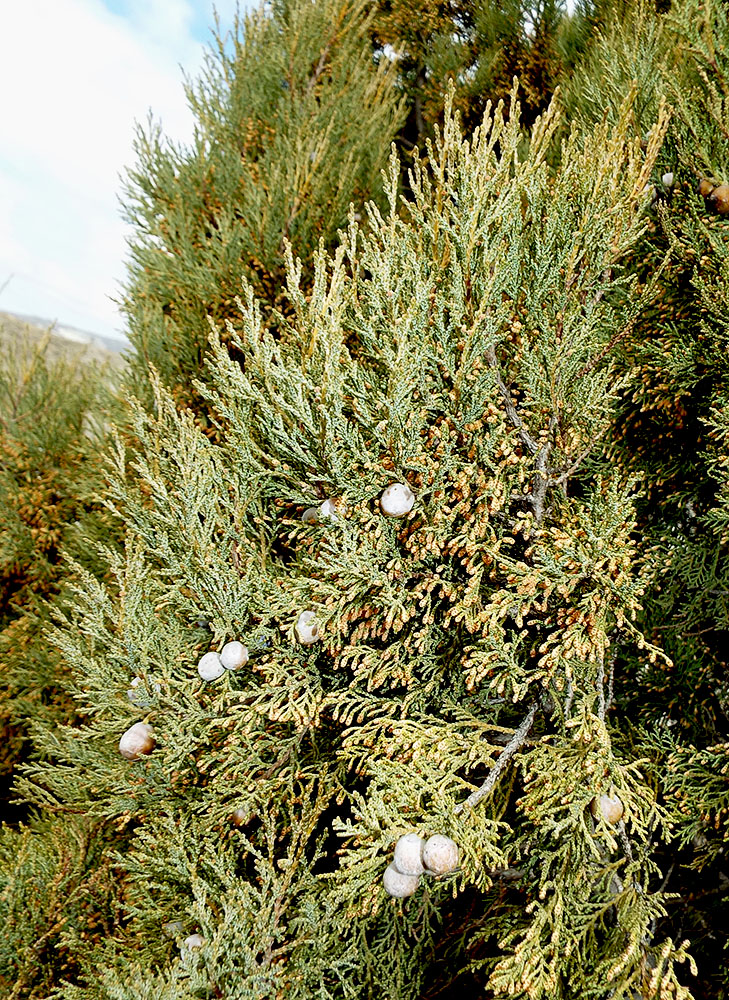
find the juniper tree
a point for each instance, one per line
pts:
(55, 886)
(506, 346)
(670, 428)
(462, 343)
(293, 121)
(49, 422)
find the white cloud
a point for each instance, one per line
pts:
(74, 78)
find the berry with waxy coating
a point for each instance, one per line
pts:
(440, 854)
(210, 667)
(137, 741)
(398, 885)
(307, 628)
(397, 500)
(328, 511)
(409, 855)
(234, 655)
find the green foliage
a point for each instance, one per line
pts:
(293, 122)
(477, 47)
(627, 52)
(671, 430)
(499, 593)
(533, 338)
(49, 439)
(56, 895)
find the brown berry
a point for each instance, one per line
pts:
(718, 200)
(610, 807)
(705, 187)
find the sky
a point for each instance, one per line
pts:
(75, 75)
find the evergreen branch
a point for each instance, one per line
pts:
(319, 69)
(626, 845)
(613, 342)
(628, 327)
(566, 473)
(512, 747)
(541, 477)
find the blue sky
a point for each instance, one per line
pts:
(75, 75)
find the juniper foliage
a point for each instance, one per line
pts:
(293, 122)
(49, 439)
(532, 338)
(463, 343)
(670, 430)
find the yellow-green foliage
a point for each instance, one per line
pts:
(536, 345)
(464, 344)
(57, 893)
(49, 444)
(293, 122)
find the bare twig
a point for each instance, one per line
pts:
(541, 479)
(515, 743)
(541, 476)
(601, 689)
(314, 78)
(507, 874)
(624, 841)
(611, 678)
(605, 278)
(569, 699)
(511, 412)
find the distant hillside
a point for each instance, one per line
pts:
(65, 342)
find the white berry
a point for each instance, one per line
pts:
(138, 694)
(667, 180)
(137, 741)
(310, 515)
(234, 655)
(210, 667)
(397, 500)
(328, 511)
(193, 942)
(307, 628)
(409, 855)
(398, 885)
(610, 807)
(440, 854)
